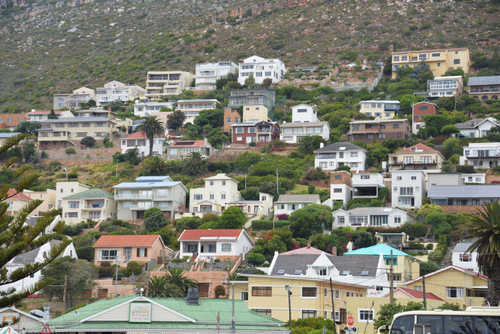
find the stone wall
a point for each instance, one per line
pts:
(88, 155)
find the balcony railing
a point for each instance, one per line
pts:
(415, 162)
(133, 196)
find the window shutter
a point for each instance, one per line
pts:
(145, 252)
(138, 253)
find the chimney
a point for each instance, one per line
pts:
(334, 251)
(205, 141)
(192, 297)
(321, 145)
(308, 243)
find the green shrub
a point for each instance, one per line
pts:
(134, 267)
(61, 176)
(465, 169)
(72, 175)
(70, 150)
(268, 224)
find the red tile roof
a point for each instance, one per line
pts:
(126, 240)
(196, 235)
(188, 143)
(420, 294)
(21, 196)
(138, 135)
(420, 147)
(303, 250)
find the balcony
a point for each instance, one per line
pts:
(415, 162)
(133, 196)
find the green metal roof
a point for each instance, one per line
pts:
(95, 193)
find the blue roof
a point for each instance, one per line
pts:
(145, 185)
(377, 249)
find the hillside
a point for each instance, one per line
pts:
(54, 46)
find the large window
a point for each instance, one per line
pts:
(262, 291)
(406, 191)
(365, 315)
(109, 254)
(309, 292)
(74, 204)
(308, 314)
(453, 292)
(198, 197)
(226, 247)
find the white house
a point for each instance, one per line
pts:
(304, 113)
(95, 204)
(219, 190)
(485, 155)
(473, 178)
(218, 244)
(380, 109)
(142, 109)
(256, 209)
(340, 154)
(208, 73)
(34, 256)
(305, 122)
(192, 108)
(408, 188)
(139, 141)
(115, 90)
(370, 216)
(463, 259)
(340, 192)
(261, 69)
(43, 115)
(477, 127)
(17, 319)
(289, 203)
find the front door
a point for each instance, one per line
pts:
(128, 254)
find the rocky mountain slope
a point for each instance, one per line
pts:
(54, 46)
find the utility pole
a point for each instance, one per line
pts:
(277, 185)
(64, 295)
(333, 306)
(147, 290)
(423, 290)
(391, 282)
(233, 321)
(116, 278)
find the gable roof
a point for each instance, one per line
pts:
(188, 143)
(13, 194)
(339, 147)
(377, 249)
(220, 176)
(462, 246)
(13, 309)
(418, 148)
(222, 234)
(489, 80)
(465, 271)
(464, 191)
(95, 193)
(30, 257)
(303, 250)
(417, 294)
(475, 122)
(127, 240)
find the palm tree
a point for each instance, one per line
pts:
(175, 276)
(159, 286)
(484, 228)
(195, 164)
(151, 127)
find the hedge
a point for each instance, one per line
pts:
(268, 224)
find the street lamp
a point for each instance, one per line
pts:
(288, 289)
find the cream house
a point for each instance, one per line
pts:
(161, 84)
(16, 201)
(219, 190)
(255, 113)
(64, 189)
(95, 204)
(48, 197)
(256, 209)
(416, 157)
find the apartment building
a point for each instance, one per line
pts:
(75, 99)
(162, 84)
(416, 157)
(380, 109)
(408, 188)
(95, 204)
(477, 127)
(340, 154)
(369, 131)
(192, 108)
(207, 74)
(304, 123)
(261, 133)
(485, 155)
(43, 115)
(418, 111)
(439, 60)
(219, 190)
(142, 109)
(117, 91)
(261, 69)
(252, 97)
(134, 198)
(484, 88)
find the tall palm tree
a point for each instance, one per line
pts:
(159, 286)
(484, 228)
(175, 276)
(195, 164)
(151, 127)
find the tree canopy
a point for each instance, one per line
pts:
(151, 127)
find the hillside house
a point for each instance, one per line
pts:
(370, 216)
(286, 204)
(379, 130)
(333, 156)
(260, 69)
(417, 157)
(139, 141)
(418, 111)
(207, 74)
(43, 115)
(219, 190)
(256, 209)
(477, 127)
(305, 122)
(472, 194)
(164, 84)
(485, 155)
(142, 109)
(463, 259)
(95, 204)
(252, 97)
(192, 108)
(73, 100)
(181, 149)
(408, 188)
(484, 88)
(260, 133)
(117, 91)
(380, 109)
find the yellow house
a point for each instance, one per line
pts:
(439, 60)
(454, 285)
(255, 113)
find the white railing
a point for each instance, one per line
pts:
(133, 196)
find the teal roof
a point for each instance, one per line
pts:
(94, 193)
(204, 316)
(377, 249)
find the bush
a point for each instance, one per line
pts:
(134, 267)
(88, 141)
(72, 175)
(70, 150)
(255, 258)
(268, 224)
(220, 290)
(106, 270)
(85, 253)
(465, 169)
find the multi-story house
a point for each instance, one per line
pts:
(416, 157)
(68, 132)
(231, 116)
(484, 88)
(286, 204)
(223, 244)
(219, 190)
(335, 155)
(344, 186)
(208, 73)
(463, 259)
(252, 97)
(464, 195)
(134, 198)
(380, 109)
(162, 84)
(305, 122)
(340, 187)
(43, 115)
(255, 113)
(11, 121)
(451, 86)
(142, 109)
(261, 69)
(369, 131)
(370, 216)
(139, 141)
(261, 133)
(408, 188)
(477, 127)
(418, 111)
(181, 149)
(439, 60)
(485, 155)
(48, 197)
(192, 108)
(117, 91)
(74, 100)
(95, 204)
(256, 209)
(64, 189)
(16, 201)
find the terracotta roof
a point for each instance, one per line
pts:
(229, 234)
(21, 196)
(126, 240)
(303, 250)
(138, 135)
(420, 294)
(420, 147)
(188, 143)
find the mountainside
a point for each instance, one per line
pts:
(53, 46)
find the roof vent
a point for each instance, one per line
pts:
(192, 297)
(364, 272)
(298, 272)
(346, 272)
(281, 271)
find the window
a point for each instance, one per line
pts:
(262, 311)
(456, 61)
(228, 120)
(142, 252)
(198, 197)
(223, 183)
(453, 292)
(226, 247)
(397, 220)
(337, 190)
(109, 254)
(465, 257)
(406, 191)
(355, 126)
(244, 295)
(365, 315)
(399, 178)
(308, 314)
(239, 130)
(413, 177)
(341, 220)
(262, 291)
(212, 196)
(72, 214)
(309, 292)
(223, 196)
(74, 204)
(396, 58)
(354, 154)
(395, 126)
